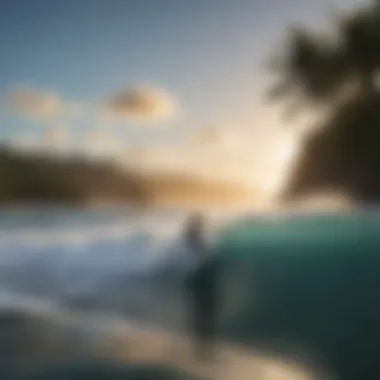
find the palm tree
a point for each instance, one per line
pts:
(317, 67)
(318, 71)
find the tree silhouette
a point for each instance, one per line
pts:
(317, 68)
(339, 72)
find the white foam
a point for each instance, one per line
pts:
(77, 255)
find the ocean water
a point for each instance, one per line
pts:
(308, 286)
(129, 261)
(111, 260)
(298, 284)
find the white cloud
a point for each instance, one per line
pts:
(26, 144)
(42, 105)
(99, 142)
(142, 104)
(30, 102)
(56, 136)
(216, 138)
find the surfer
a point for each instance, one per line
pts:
(201, 286)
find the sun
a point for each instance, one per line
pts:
(282, 155)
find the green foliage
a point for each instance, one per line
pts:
(317, 68)
(344, 156)
(344, 152)
(39, 178)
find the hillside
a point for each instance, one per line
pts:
(38, 178)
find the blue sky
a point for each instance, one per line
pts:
(207, 54)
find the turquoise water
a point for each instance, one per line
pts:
(302, 234)
(306, 284)
(302, 286)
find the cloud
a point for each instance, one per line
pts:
(215, 138)
(142, 104)
(56, 136)
(99, 142)
(96, 137)
(30, 102)
(26, 144)
(42, 105)
(99, 139)
(139, 104)
(208, 137)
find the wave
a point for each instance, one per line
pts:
(124, 261)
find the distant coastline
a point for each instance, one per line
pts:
(39, 180)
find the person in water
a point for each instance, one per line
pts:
(202, 289)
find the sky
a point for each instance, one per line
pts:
(170, 84)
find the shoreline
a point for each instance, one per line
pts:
(90, 337)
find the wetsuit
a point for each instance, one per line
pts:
(202, 291)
